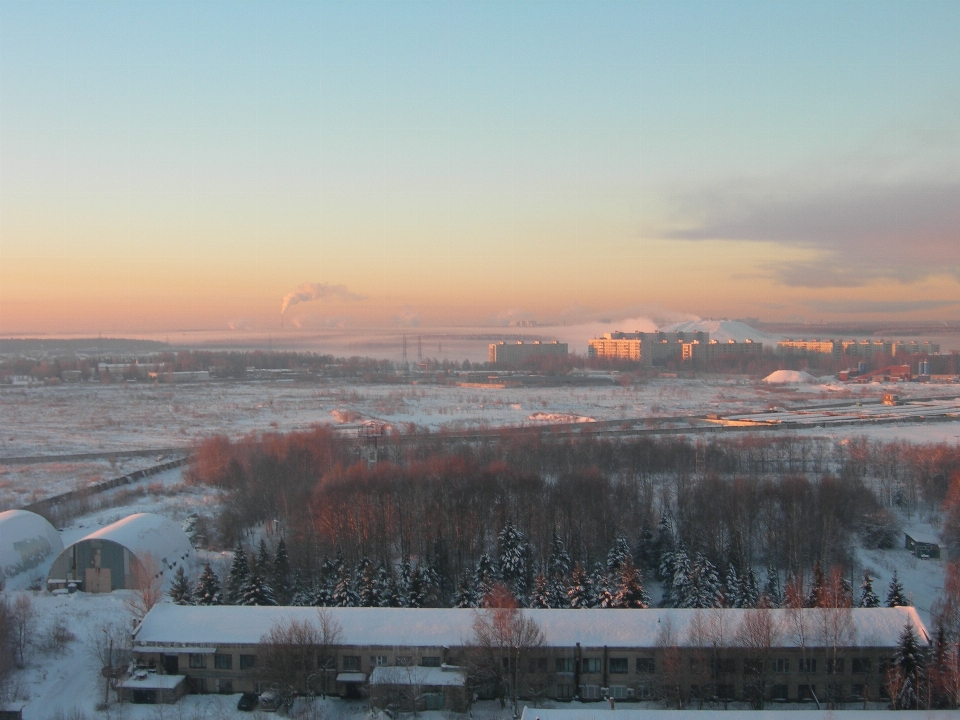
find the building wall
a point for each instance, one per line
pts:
(503, 353)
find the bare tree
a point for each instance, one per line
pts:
(287, 657)
(330, 635)
(502, 640)
(669, 669)
(147, 590)
(759, 632)
(7, 643)
(24, 618)
(111, 643)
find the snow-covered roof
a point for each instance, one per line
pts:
(148, 533)
(169, 624)
(428, 676)
(152, 681)
(922, 537)
(602, 712)
(26, 540)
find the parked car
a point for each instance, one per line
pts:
(270, 701)
(247, 702)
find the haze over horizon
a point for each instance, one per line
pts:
(169, 166)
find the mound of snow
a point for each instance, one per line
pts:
(721, 330)
(790, 377)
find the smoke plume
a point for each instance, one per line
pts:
(317, 291)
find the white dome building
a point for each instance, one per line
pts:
(26, 540)
(114, 556)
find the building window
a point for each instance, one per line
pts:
(835, 667)
(781, 665)
(404, 661)
(430, 661)
(644, 691)
(618, 692)
(223, 662)
(198, 661)
(225, 687)
(808, 665)
(378, 660)
(752, 666)
(564, 691)
(351, 663)
(806, 692)
(565, 665)
(646, 666)
(592, 665)
(779, 692)
(858, 690)
(725, 692)
(619, 666)
(326, 663)
(860, 665)
(724, 665)
(248, 661)
(590, 692)
(538, 665)
(835, 693)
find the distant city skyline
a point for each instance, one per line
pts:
(170, 166)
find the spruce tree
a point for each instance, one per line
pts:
(237, 580)
(751, 592)
(663, 549)
(466, 597)
(618, 554)
(540, 597)
(263, 562)
(280, 577)
(678, 592)
(367, 584)
(180, 592)
(418, 588)
(208, 588)
(644, 552)
(257, 590)
(558, 573)
(896, 596)
(630, 592)
(910, 662)
(733, 594)
(704, 589)
(484, 576)
(383, 587)
(602, 587)
(343, 594)
(579, 591)
(300, 594)
(772, 588)
(818, 592)
(513, 560)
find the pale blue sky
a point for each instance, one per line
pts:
(465, 159)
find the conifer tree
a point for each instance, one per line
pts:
(466, 597)
(257, 590)
(280, 577)
(909, 661)
(896, 596)
(618, 555)
(343, 594)
(663, 548)
(540, 597)
(579, 592)
(559, 571)
(513, 560)
(679, 591)
(180, 592)
(208, 588)
(417, 590)
(386, 590)
(483, 576)
(630, 592)
(644, 552)
(404, 581)
(818, 591)
(237, 580)
(557, 593)
(703, 590)
(772, 587)
(263, 563)
(300, 594)
(367, 584)
(602, 587)
(733, 594)
(751, 592)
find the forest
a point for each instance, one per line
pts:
(567, 522)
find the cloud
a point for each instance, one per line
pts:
(317, 291)
(406, 317)
(905, 231)
(879, 306)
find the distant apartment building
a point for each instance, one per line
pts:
(856, 348)
(698, 352)
(515, 353)
(646, 348)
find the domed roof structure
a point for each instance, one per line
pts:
(26, 540)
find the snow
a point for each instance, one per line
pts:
(721, 330)
(429, 676)
(176, 625)
(790, 377)
(601, 711)
(153, 681)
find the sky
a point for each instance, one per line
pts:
(204, 165)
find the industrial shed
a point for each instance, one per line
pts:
(114, 556)
(26, 540)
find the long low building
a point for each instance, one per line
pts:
(642, 654)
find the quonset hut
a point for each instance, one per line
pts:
(115, 556)
(26, 540)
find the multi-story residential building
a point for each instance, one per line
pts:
(644, 654)
(646, 348)
(832, 348)
(698, 353)
(515, 353)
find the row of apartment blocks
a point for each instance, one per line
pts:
(835, 654)
(516, 353)
(657, 348)
(857, 348)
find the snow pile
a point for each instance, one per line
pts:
(721, 330)
(544, 417)
(790, 377)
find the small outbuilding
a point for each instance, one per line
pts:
(113, 558)
(921, 545)
(415, 688)
(26, 541)
(147, 688)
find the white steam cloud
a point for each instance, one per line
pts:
(317, 291)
